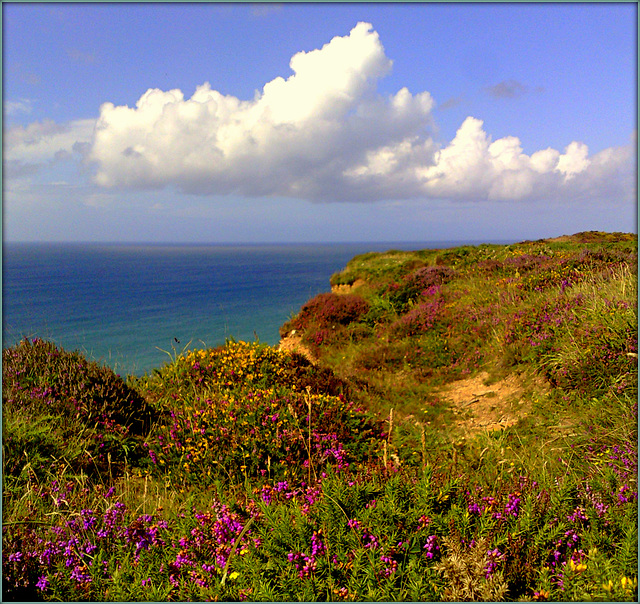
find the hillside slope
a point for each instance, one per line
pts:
(461, 426)
(467, 339)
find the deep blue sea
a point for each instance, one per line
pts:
(120, 303)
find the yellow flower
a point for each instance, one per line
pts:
(541, 595)
(628, 583)
(234, 575)
(577, 567)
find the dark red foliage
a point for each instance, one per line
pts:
(419, 283)
(419, 319)
(329, 310)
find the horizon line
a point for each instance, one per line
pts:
(464, 240)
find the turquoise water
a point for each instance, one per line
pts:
(119, 304)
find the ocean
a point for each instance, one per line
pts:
(130, 305)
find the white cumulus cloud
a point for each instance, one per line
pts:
(574, 161)
(294, 138)
(309, 135)
(324, 133)
(17, 107)
(472, 167)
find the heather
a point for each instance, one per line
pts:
(457, 424)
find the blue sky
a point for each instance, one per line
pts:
(318, 122)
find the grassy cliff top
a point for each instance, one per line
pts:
(456, 424)
(414, 330)
(375, 266)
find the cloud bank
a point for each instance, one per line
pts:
(30, 150)
(325, 134)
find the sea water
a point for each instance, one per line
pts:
(133, 306)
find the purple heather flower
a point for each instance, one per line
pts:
(282, 486)
(493, 557)
(317, 545)
(388, 570)
(513, 506)
(431, 546)
(88, 518)
(474, 508)
(90, 548)
(578, 514)
(79, 576)
(371, 541)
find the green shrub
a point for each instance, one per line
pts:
(423, 282)
(240, 365)
(41, 376)
(260, 434)
(60, 410)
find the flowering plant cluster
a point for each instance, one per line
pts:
(43, 377)
(234, 364)
(423, 282)
(259, 433)
(328, 310)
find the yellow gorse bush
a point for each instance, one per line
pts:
(242, 410)
(260, 432)
(237, 362)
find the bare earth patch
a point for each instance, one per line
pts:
(347, 289)
(293, 343)
(479, 407)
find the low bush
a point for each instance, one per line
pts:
(419, 319)
(422, 282)
(261, 434)
(241, 365)
(328, 310)
(39, 375)
(61, 410)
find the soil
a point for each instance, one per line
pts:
(293, 343)
(479, 407)
(347, 289)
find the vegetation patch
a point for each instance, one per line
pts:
(467, 430)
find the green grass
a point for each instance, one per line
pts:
(247, 473)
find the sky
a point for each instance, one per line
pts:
(241, 123)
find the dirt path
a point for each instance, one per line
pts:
(479, 407)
